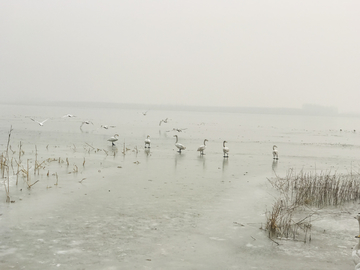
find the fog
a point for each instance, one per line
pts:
(199, 53)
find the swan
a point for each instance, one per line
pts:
(225, 150)
(144, 113)
(202, 147)
(275, 152)
(179, 145)
(164, 120)
(113, 139)
(356, 250)
(40, 123)
(147, 141)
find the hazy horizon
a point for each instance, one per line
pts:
(278, 54)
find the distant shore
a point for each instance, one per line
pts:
(306, 109)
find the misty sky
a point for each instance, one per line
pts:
(224, 53)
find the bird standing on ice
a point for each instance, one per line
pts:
(275, 152)
(202, 147)
(225, 150)
(147, 142)
(40, 123)
(113, 139)
(179, 145)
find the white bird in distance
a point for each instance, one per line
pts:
(68, 115)
(225, 150)
(179, 145)
(275, 152)
(40, 123)
(113, 139)
(147, 142)
(202, 147)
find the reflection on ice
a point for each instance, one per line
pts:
(225, 164)
(274, 165)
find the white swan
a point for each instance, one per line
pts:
(356, 250)
(275, 152)
(202, 147)
(113, 139)
(40, 123)
(179, 145)
(225, 150)
(147, 142)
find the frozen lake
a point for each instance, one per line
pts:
(158, 209)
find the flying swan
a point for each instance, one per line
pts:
(40, 123)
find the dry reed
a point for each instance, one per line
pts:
(307, 189)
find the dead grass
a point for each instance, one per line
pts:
(301, 195)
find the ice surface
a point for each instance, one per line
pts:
(158, 209)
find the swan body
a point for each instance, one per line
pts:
(40, 123)
(113, 139)
(225, 150)
(275, 152)
(202, 147)
(179, 145)
(147, 142)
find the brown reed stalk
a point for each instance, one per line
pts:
(7, 181)
(311, 190)
(18, 164)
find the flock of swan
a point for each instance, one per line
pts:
(178, 145)
(200, 149)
